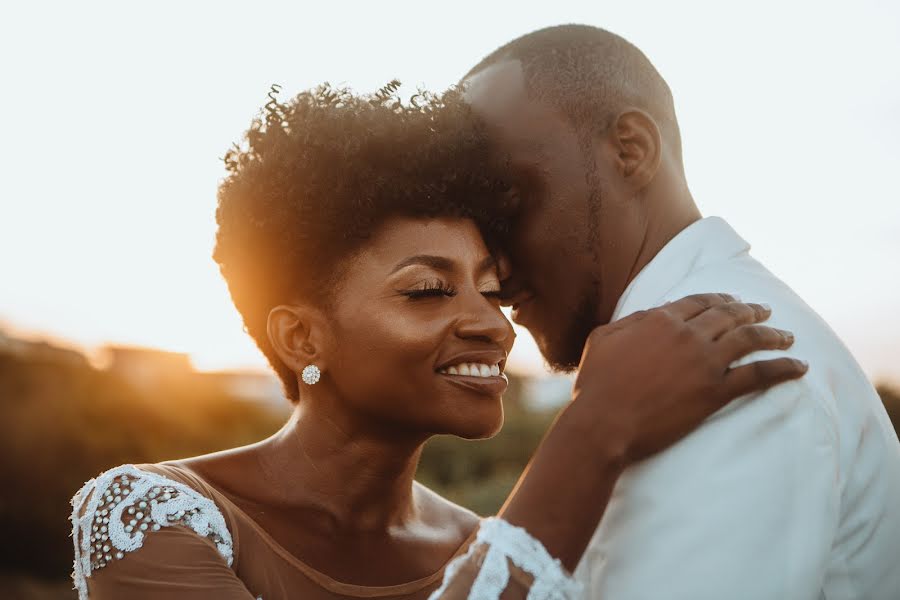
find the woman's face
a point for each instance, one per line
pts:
(421, 342)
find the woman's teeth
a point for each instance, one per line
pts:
(473, 370)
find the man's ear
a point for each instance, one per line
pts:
(299, 334)
(638, 147)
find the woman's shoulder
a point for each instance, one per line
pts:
(113, 513)
(446, 515)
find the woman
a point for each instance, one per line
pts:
(355, 235)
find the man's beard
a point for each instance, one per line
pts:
(563, 352)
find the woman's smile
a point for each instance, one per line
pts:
(478, 371)
(492, 385)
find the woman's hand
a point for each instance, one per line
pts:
(644, 383)
(648, 380)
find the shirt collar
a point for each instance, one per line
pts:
(702, 243)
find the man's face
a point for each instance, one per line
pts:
(555, 285)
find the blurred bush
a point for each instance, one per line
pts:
(63, 421)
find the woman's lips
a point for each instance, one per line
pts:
(489, 386)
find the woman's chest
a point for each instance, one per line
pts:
(283, 561)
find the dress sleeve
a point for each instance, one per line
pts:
(505, 562)
(140, 535)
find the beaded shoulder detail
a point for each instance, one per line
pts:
(112, 513)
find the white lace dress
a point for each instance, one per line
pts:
(146, 533)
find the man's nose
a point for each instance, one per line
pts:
(511, 287)
(512, 290)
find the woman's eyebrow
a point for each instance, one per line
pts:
(436, 262)
(442, 263)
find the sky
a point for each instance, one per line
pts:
(114, 117)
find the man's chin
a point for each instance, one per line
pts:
(561, 357)
(563, 344)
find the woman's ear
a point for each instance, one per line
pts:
(299, 335)
(639, 147)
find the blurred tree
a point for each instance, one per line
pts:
(62, 422)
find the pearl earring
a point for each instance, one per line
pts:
(311, 374)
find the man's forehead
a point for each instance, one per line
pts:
(526, 126)
(498, 85)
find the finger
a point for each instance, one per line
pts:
(691, 306)
(747, 339)
(723, 318)
(761, 375)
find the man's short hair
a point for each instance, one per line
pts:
(590, 75)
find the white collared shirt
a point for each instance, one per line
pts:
(791, 494)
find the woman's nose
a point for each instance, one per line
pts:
(482, 319)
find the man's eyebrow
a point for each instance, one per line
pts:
(488, 263)
(435, 262)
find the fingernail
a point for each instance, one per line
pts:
(789, 336)
(737, 297)
(803, 363)
(766, 307)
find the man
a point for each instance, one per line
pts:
(795, 495)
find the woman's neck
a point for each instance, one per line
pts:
(360, 477)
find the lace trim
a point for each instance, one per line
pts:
(505, 541)
(126, 503)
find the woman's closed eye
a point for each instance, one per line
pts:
(429, 289)
(492, 293)
(437, 288)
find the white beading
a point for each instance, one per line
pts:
(506, 542)
(112, 513)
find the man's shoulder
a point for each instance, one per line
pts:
(752, 282)
(742, 275)
(836, 382)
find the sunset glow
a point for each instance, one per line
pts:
(115, 120)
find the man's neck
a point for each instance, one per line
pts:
(665, 219)
(659, 233)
